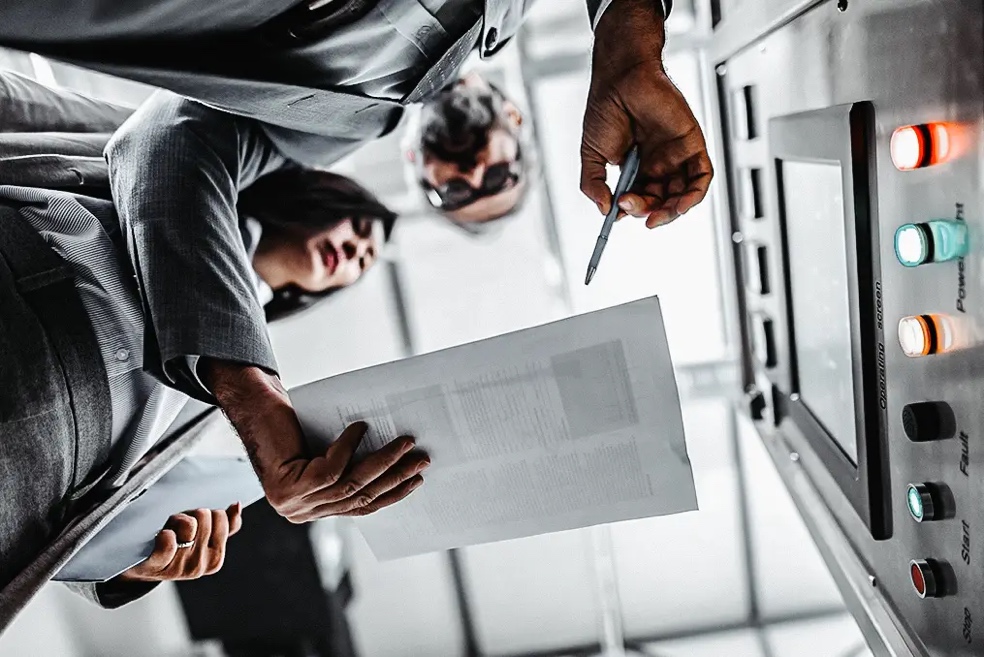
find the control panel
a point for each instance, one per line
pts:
(853, 139)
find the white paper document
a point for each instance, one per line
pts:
(560, 426)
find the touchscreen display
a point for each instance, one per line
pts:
(817, 244)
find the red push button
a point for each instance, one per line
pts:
(924, 574)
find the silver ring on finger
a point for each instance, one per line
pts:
(186, 544)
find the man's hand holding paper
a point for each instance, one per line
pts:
(560, 426)
(303, 488)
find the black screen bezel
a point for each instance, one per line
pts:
(843, 135)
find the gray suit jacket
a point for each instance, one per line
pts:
(54, 138)
(177, 167)
(309, 125)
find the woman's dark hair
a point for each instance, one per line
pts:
(309, 199)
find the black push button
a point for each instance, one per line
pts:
(926, 421)
(923, 503)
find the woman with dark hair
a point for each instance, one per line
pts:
(315, 232)
(113, 316)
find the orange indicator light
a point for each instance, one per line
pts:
(918, 146)
(925, 335)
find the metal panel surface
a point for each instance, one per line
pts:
(915, 61)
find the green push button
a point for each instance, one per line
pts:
(921, 503)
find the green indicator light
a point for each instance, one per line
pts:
(938, 240)
(912, 245)
(915, 503)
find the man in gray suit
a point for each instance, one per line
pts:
(312, 81)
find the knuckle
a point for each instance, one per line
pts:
(350, 488)
(364, 500)
(182, 521)
(279, 501)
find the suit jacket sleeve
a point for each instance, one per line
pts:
(108, 596)
(29, 106)
(54, 138)
(597, 7)
(176, 168)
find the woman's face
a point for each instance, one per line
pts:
(330, 258)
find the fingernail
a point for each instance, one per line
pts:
(625, 204)
(417, 483)
(421, 467)
(408, 444)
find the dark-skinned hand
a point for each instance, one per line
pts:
(300, 486)
(631, 100)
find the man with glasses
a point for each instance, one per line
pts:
(468, 153)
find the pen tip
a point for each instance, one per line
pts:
(589, 275)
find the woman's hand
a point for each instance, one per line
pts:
(191, 545)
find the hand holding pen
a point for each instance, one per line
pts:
(625, 179)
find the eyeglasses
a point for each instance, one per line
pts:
(457, 193)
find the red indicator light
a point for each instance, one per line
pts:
(918, 146)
